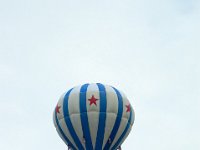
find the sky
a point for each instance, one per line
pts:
(148, 49)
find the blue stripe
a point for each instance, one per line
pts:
(69, 123)
(62, 133)
(124, 133)
(84, 117)
(117, 121)
(102, 117)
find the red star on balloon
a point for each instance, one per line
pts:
(58, 109)
(93, 100)
(128, 108)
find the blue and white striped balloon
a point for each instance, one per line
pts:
(93, 117)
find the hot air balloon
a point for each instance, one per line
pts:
(93, 117)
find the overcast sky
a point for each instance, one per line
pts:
(148, 49)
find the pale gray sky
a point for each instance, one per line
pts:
(148, 49)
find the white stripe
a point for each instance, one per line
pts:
(111, 114)
(126, 135)
(66, 131)
(60, 104)
(124, 119)
(125, 103)
(54, 119)
(133, 116)
(56, 126)
(60, 135)
(74, 112)
(61, 121)
(93, 111)
(129, 130)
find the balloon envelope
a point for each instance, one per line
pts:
(93, 116)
